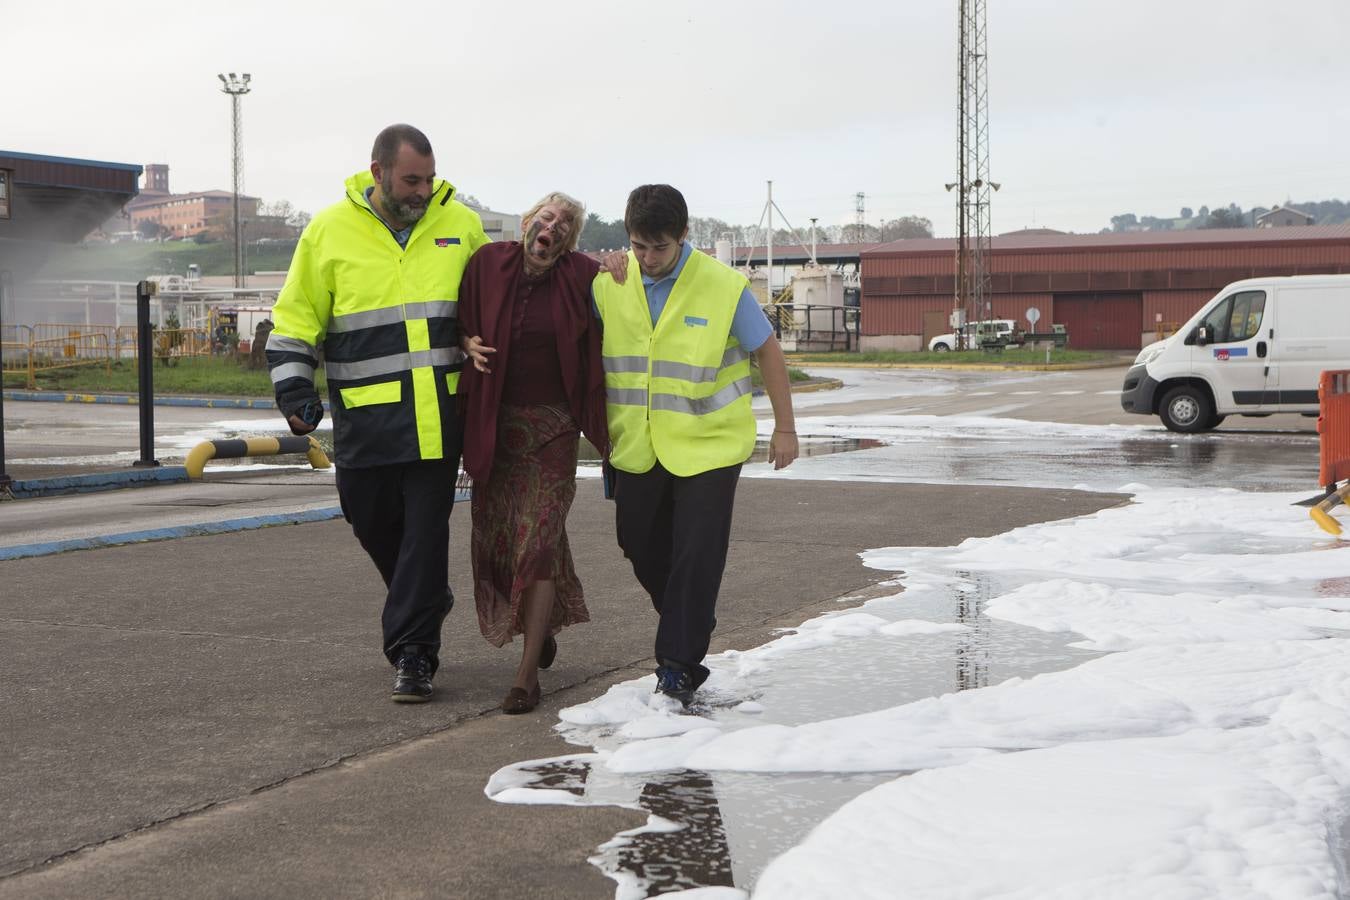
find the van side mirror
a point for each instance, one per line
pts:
(1199, 336)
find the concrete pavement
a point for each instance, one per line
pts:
(208, 716)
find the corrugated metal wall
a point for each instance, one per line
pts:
(1151, 281)
(1172, 307)
(60, 174)
(1100, 321)
(904, 315)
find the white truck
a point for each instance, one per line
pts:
(1258, 347)
(977, 334)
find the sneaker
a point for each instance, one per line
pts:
(412, 678)
(675, 683)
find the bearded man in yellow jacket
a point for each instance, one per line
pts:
(375, 283)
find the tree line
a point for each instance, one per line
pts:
(600, 234)
(1323, 212)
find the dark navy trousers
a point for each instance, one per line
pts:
(675, 531)
(401, 515)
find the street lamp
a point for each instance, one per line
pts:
(236, 87)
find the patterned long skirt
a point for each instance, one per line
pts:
(520, 518)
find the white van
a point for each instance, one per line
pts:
(1257, 348)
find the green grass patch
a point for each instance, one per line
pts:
(794, 376)
(199, 376)
(1009, 356)
(134, 261)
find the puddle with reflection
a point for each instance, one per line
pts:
(723, 828)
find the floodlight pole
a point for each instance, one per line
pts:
(236, 87)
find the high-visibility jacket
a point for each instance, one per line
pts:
(677, 392)
(386, 317)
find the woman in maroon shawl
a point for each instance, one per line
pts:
(534, 383)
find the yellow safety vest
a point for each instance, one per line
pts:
(387, 319)
(678, 392)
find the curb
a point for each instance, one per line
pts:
(164, 534)
(824, 384)
(100, 481)
(249, 402)
(963, 367)
(132, 400)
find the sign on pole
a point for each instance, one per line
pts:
(1033, 316)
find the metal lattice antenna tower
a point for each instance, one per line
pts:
(972, 176)
(861, 208)
(236, 87)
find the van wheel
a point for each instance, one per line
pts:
(941, 348)
(1216, 421)
(1186, 409)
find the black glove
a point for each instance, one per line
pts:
(304, 403)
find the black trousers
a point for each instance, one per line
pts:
(675, 531)
(401, 516)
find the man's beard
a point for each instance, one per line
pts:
(404, 213)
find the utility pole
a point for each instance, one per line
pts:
(972, 298)
(860, 208)
(768, 279)
(769, 207)
(237, 87)
(813, 241)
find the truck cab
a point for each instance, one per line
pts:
(992, 332)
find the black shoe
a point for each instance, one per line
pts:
(675, 683)
(548, 653)
(412, 678)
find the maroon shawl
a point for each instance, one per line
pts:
(487, 299)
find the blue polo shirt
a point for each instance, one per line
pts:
(749, 325)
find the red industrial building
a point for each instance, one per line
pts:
(1110, 291)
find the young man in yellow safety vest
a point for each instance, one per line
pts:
(677, 347)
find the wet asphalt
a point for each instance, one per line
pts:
(208, 715)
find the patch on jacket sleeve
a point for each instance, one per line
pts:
(446, 242)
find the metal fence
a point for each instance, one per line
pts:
(805, 327)
(46, 346)
(47, 354)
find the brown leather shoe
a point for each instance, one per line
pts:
(518, 701)
(548, 652)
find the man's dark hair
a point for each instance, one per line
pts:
(656, 210)
(388, 142)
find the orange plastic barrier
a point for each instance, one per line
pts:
(1333, 425)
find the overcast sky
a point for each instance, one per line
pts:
(1097, 107)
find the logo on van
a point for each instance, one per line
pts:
(1226, 352)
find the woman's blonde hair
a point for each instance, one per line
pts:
(571, 205)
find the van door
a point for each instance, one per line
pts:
(1235, 356)
(1311, 334)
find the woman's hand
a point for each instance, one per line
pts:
(615, 262)
(477, 352)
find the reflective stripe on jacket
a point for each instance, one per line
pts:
(386, 317)
(679, 392)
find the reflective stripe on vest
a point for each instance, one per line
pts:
(678, 392)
